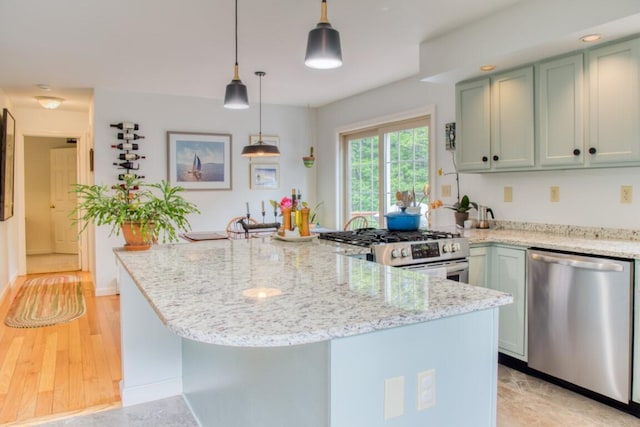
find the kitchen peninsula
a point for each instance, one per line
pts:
(271, 333)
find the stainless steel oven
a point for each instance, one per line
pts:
(430, 252)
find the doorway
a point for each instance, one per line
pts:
(51, 238)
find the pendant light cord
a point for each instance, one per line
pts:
(236, 32)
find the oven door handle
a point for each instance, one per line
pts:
(449, 267)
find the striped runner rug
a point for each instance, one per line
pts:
(46, 301)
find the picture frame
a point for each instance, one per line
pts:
(199, 161)
(266, 140)
(7, 165)
(264, 176)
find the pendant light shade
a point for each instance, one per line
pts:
(323, 46)
(235, 96)
(260, 149)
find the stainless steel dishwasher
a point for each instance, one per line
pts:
(580, 314)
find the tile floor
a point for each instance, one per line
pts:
(522, 401)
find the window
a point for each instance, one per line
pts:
(382, 161)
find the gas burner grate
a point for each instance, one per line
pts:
(369, 236)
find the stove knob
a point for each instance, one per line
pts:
(456, 247)
(404, 252)
(445, 248)
(394, 253)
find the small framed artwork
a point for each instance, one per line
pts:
(199, 161)
(266, 140)
(265, 176)
(7, 165)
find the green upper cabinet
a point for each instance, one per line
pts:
(473, 129)
(614, 104)
(587, 113)
(512, 119)
(495, 122)
(560, 113)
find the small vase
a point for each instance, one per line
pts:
(461, 217)
(304, 229)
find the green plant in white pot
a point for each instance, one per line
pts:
(145, 213)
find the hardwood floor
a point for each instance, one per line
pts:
(68, 368)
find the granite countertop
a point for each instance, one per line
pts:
(197, 291)
(588, 244)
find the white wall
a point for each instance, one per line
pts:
(588, 197)
(157, 114)
(8, 233)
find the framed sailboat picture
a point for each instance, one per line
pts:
(7, 163)
(199, 161)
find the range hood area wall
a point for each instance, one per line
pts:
(589, 197)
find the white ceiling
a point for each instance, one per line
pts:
(187, 47)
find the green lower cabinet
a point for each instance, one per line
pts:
(635, 392)
(503, 268)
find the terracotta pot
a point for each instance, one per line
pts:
(136, 240)
(461, 217)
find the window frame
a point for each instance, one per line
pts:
(379, 130)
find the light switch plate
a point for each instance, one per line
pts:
(554, 194)
(446, 190)
(393, 397)
(508, 194)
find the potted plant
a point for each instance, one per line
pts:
(461, 209)
(145, 213)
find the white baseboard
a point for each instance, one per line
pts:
(150, 392)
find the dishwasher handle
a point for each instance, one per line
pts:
(571, 262)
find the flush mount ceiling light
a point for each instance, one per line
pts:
(235, 97)
(590, 38)
(323, 46)
(260, 149)
(49, 102)
(487, 67)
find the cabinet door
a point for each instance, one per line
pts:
(478, 267)
(614, 113)
(473, 125)
(512, 119)
(508, 274)
(560, 116)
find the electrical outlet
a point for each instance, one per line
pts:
(426, 389)
(626, 194)
(508, 194)
(554, 194)
(393, 397)
(446, 190)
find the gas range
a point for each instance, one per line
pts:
(404, 248)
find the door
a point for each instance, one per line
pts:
(63, 200)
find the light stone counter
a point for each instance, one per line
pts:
(592, 244)
(196, 289)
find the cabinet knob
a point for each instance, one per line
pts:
(485, 159)
(496, 158)
(576, 152)
(592, 150)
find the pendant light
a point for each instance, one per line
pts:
(323, 46)
(235, 97)
(260, 149)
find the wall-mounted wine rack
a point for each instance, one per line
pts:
(128, 158)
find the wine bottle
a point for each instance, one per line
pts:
(128, 136)
(124, 187)
(125, 146)
(125, 126)
(130, 156)
(125, 176)
(128, 165)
